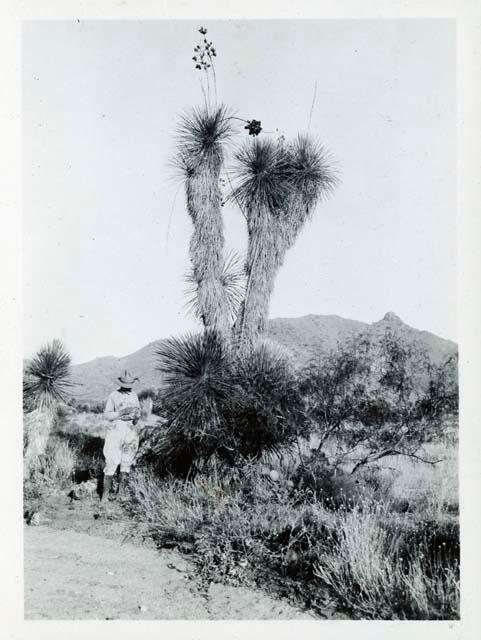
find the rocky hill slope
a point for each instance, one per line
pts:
(303, 337)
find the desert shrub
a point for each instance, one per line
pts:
(379, 396)
(97, 407)
(435, 540)
(46, 381)
(64, 410)
(92, 424)
(88, 452)
(242, 528)
(222, 405)
(155, 396)
(59, 463)
(269, 416)
(430, 491)
(327, 485)
(53, 474)
(375, 572)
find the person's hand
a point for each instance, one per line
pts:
(130, 413)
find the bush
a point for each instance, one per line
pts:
(269, 416)
(364, 561)
(331, 487)
(54, 474)
(221, 405)
(97, 407)
(379, 396)
(88, 450)
(377, 573)
(59, 464)
(235, 531)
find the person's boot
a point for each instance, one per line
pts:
(104, 508)
(123, 484)
(107, 488)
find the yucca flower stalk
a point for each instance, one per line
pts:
(201, 140)
(277, 187)
(45, 386)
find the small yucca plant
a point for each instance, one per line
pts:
(222, 405)
(196, 397)
(269, 416)
(45, 385)
(47, 377)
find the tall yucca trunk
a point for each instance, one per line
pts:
(200, 157)
(207, 245)
(278, 188)
(265, 255)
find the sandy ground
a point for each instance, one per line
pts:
(90, 573)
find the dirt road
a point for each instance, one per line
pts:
(77, 575)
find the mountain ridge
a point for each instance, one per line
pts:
(302, 337)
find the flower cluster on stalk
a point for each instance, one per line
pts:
(204, 52)
(253, 127)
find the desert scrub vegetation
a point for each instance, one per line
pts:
(46, 380)
(53, 476)
(379, 397)
(378, 570)
(356, 556)
(364, 523)
(222, 404)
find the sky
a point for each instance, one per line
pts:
(105, 229)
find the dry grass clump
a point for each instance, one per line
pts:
(59, 464)
(431, 490)
(53, 475)
(365, 567)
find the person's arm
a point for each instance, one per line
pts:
(109, 411)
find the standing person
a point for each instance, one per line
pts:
(121, 440)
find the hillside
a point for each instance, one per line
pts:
(303, 337)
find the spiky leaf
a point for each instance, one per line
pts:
(47, 376)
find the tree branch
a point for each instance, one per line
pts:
(392, 452)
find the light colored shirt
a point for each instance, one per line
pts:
(118, 401)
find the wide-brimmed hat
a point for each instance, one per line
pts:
(127, 380)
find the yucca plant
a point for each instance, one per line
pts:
(222, 405)
(45, 385)
(201, 139)
(269, 416)
(277, 187)
(197, 398)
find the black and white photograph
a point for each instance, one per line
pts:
(240, 319)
